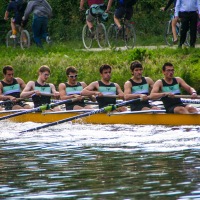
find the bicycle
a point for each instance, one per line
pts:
(22, 38)
(168, 36)
(99, 34)
(126, 35)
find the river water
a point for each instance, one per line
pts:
(77, 161)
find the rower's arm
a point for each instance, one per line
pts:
(155, 92)
(187, 87)
(91, 89)
(62, 91)
(128, 93)
(5, 97)
(28, 91)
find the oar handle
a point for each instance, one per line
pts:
(10, 101)
(47, 94)
(103, 96)
(186, 96)
(108, 96)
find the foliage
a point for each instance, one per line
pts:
(67, 20)
(61, 56)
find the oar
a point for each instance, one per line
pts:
(191, 101)
(10, 101)
(186, 96)
(105, 109)
(4, 102)
(40, 108)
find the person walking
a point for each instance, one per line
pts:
(42, 11)
(138, 87)
(188, 11)
(169, 86)
(10, 89)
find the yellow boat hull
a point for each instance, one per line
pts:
(103, 118)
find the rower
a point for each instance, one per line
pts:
(168, 87)
(10, 89)
(72, 89)
(139, 87)
(105, 87)
(40, 91)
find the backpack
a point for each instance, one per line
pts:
(21, 6)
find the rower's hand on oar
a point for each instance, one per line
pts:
(144, 97)
(78, 97)
(121, 96)
(98, 94)
(56, 95)
(194, 95)
(37, 93)
(13, 99)
(92, 98)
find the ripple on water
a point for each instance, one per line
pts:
(110, 137)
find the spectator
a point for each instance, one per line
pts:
(186, 10)
(42, 11)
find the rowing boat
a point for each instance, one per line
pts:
(153, 117)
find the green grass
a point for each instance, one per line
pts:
(59, 56)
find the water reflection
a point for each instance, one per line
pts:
(100, 162)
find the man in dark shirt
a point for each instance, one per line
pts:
(124, 9)
(13, 6)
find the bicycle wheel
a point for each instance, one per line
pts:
(112, 35)
(11, 42)
(87, 37)
(129, 36)
(102, 35)
(24, 39)
(168, 36)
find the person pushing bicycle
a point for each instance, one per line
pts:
(124, 8)
(96, 7)
(17, 7)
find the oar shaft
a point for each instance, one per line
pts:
(105, 109)
(185, 96)
(40, 108)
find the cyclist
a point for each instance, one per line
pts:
(18, 7)
(174, 20)
(96, 6)
(124, 8)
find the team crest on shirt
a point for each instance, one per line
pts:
(171, 88)
(108, 89)
(140, 86)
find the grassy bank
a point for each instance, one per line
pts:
(60, 56)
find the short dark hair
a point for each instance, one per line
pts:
(135, 64)
(71, 69)
(44, 68)
(103, 67)
(166, 64)
(7, 68)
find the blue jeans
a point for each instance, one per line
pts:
(39, 27)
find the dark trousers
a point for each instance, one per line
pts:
(39, 27)
(188, 22)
